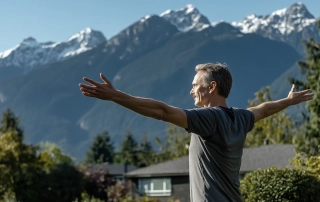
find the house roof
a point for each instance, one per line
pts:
(114, 169)
(252, 159)
(265, 156)
(176, 167)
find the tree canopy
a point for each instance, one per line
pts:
(101, 150)
(310, 141)
(275, 129)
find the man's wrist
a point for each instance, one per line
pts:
(117, 95)
(287, 101)
(114, 95)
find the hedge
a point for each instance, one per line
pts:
(273, 184)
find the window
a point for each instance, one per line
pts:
(155, 186)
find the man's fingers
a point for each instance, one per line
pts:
(305, 91)
(91, 81)
(87, 94)
(307, 97)
(104, 79)
(310, 95)
(293, 88)
(91, 90)
(84, 86)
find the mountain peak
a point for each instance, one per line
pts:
(147, 17)
(87, 34)
(286, 20)
(299, 10)
(87, 30)
(298, 5)
(291, 25)
(30, 41)
(84, 40)
(190, 8)
(187, 18)
(30, 54)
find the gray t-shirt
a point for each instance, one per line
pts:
(217, 140)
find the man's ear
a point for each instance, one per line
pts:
(212, 86)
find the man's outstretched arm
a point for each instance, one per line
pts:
(269, 108)
(144, 106)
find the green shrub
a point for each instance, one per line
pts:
(273, 184)
(308, 163)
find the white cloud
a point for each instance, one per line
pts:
(2, 98)
(84, 125)
(116, 78)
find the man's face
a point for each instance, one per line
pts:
(199, 92)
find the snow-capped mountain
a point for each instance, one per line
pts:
(30, 54)
(290, 25)
(187, 18)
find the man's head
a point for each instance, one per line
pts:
(210, 79)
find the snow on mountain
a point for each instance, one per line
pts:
(290, 25)
(30, 54)
(187, 18)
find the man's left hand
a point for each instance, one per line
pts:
(104, 91)
(297, 97)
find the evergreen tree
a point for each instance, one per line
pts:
(128, 151)
(274, 129)
(145, 153)
(10, 122)
(309, 142)
(102, 150)
(176, 144)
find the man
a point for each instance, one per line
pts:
(218, 132)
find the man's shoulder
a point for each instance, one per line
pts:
(219, 109)
(241, 110)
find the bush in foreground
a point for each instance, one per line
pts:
(273, 184)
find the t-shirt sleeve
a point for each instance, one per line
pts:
(201, 121)
(250, 119)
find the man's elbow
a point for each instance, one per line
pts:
(159, 115)
(164, 116)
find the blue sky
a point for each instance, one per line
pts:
(57, 20)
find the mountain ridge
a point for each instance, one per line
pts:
(290, 25)
(31, 54)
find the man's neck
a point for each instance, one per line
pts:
(217, 101)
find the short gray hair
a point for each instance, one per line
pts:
(219, 73)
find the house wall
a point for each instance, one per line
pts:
(180, 190)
